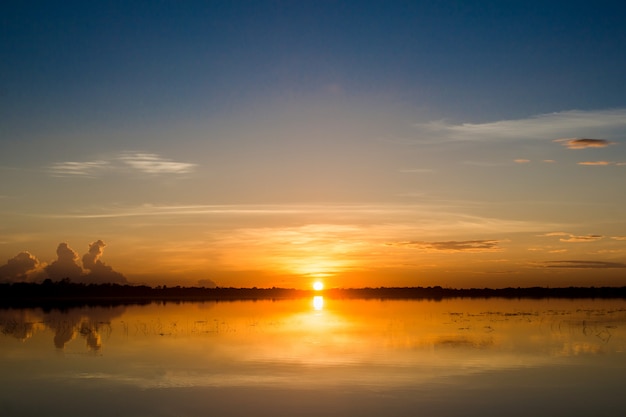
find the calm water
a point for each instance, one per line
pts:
(317, 357)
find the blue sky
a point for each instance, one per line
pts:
(271, 143)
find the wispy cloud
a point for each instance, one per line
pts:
(151, 163)
(138, 162)
(599, 163)
(570, 238)
(566, 124)
(521, 161)
(584, 143)
(577, 264)
(89, 169)
(452, 246)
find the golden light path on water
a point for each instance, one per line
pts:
(397, 348)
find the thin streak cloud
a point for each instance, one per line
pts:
(596, 163)
(576, 264)
(133, 162)
(452, 246)
(570, 238)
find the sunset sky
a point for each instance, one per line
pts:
(275, 143)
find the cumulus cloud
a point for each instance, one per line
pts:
(137, 162)
(584, 143)
(452, 246)
(570, 238)
(207, 283)
(17, 268)
(98, 271)
(65, 266)
(576, 264)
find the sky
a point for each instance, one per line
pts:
(276, 143)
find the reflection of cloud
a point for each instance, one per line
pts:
(146, 163)
(99, 272)
(65, 266)
(583, 143)
(17, 267)
(574, 238)
(584, 264)
(452, 246)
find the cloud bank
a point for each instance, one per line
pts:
(17, 268)
(26, 267)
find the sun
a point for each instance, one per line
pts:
(318, 285)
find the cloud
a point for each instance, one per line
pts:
(207, 283)
(544, 126)
(98, 271)
(584, 143)
(65, 266)
(600, 163)
(584, 264)
(621, 238)
(137, 162)
(452, 246)
(549, 161)
(574, 238)
(78, 169)
(17, 268)
(521, 161)
(151, 163)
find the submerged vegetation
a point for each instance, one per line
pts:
(67, 293)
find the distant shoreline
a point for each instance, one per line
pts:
(66, 294)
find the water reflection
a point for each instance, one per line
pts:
(90, 324)
(404, 353)
(318, 303)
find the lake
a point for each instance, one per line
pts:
(317, 357)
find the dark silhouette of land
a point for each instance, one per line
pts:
(64, 293)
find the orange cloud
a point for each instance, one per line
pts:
(601, 163)
(574, 238)
(584, 143)
(576, 264)
(452, 246)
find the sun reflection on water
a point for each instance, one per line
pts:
(318, 303)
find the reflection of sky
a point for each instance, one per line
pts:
(354, 357)
(387, 343)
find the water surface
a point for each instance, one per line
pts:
(317, 357)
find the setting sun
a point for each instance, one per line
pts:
(318, 286)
